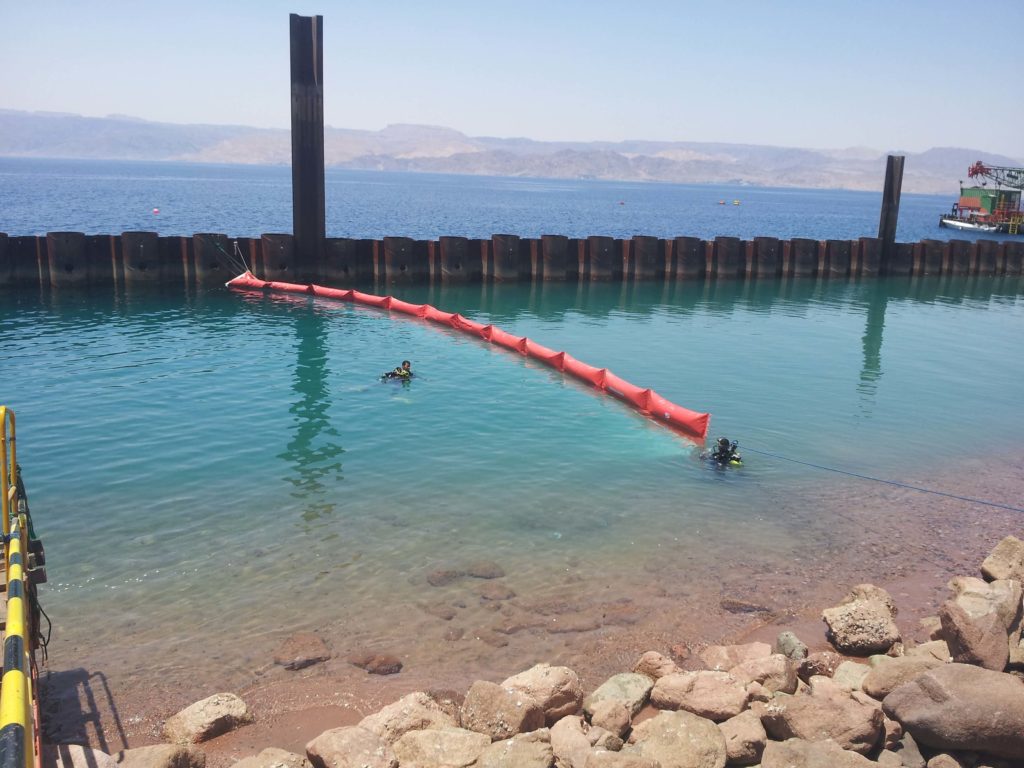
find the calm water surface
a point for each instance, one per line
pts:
(212, 471)
(102, 197)
(213, 466)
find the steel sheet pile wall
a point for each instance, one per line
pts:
(61, 259)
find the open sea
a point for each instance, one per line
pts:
(213, 471)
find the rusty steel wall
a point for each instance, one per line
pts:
(69, 259)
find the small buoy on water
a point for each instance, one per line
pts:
(156, 211)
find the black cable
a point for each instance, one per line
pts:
(45, 643)
(896, 483)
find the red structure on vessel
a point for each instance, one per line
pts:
(647, 401)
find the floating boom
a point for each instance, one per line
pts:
(647, 401)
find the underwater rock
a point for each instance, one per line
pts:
(495, 591)
(376, 663)
(303, 649)
(484, 569)
(441, 577)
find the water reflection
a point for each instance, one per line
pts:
(314, 450)
(871, 342)
(503, 302)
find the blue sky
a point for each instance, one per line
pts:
(889, 75)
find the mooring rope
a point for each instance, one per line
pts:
(235, 261)
(896, 483)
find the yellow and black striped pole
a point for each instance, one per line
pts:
(8, 466)
(17, 735)
(17, 732)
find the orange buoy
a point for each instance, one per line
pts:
(645, 400)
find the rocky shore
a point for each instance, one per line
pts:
(876, 698)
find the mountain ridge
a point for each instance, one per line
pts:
(440, 149)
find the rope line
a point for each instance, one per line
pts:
(236, 260)
(896, 483)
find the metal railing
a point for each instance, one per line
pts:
(18, 710)
(8, 467)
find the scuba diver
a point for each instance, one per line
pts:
(725, 453)
(402, 372)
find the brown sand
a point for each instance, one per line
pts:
(908, 542)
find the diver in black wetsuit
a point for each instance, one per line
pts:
(404, 372)
(725, 452)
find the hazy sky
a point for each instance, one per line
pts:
(892, 74)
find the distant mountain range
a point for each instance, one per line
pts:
(444, 150)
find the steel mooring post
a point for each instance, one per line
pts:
(890, 208)
(307, 77)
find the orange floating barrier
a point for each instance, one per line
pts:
(645, 400)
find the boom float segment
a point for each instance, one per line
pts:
(647, 401)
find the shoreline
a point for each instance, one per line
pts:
(911, 555)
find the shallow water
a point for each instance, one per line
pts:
(213, 471)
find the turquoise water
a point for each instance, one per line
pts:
(207, 467)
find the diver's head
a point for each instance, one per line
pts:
(723, 442)
(405, 365)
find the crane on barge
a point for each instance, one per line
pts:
(1001, 175)
(989, 210)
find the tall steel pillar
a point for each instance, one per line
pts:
(890, 208)
(308, 218)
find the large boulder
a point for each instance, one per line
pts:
(205, 719)
(629, 688)
(791, 646)
(862, 624)
(414, 712)
(850, 675)
(822, 663)
(655, 665)
(570, 743)
(1006, 560)
(962, 707)
(988, 610)
(272, 757)
(611, 715)
(556, 689)
(745, 738)
(163, 756)
(679, 740)
(500, 712)
(441, 748)
(776, 673)
(350, 747)
(714, 695)
(797, 753)
(980, 640)
(825, 711)
(979, 597)
(725, 657)
(526, 750)
(889, 673)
